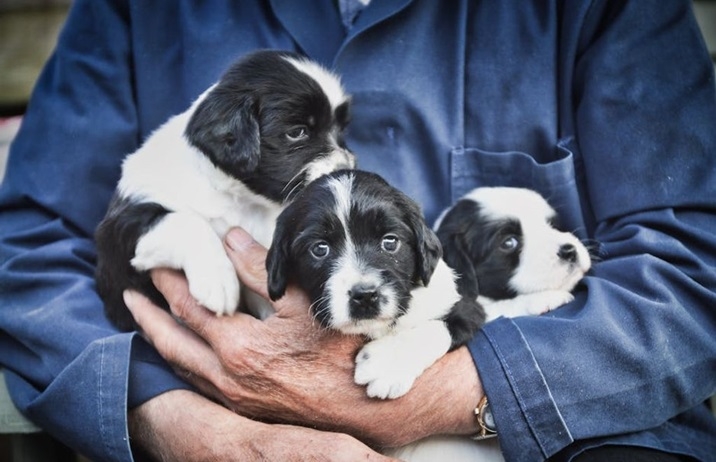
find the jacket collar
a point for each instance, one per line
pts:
(325, 42)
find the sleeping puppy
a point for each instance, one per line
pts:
(370, 265)
(502, 243)
(246, 146)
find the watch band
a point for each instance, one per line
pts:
(485, 421)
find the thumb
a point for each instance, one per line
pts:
(249, 259)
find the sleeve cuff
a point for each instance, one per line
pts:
(525, 413)
(149, 374)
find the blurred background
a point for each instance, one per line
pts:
(29, 29)
(28, 32)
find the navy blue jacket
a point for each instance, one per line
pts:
(606, 107)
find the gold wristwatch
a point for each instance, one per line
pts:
(485, 421)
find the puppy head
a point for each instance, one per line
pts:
(357, 246)
(502, 243)
(275, 121)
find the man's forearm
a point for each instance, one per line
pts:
(180, 425)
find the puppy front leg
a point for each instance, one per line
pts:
(186, 241)
(526, 305)
(389, 365)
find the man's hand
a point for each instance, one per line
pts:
(183, 426)
(287, 369)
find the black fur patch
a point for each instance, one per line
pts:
(472, 247)
(116, 238)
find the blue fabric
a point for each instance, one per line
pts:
(350, 9)
(606, 107)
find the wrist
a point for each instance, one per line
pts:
(443, 400)
(462, 391)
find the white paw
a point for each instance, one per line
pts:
(381, 367)
(214, 284)
(549, 300)
(187, 242)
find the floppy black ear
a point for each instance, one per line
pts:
(277, 262)
(226, 129)
(431, 252)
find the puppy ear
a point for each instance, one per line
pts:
(277, 262)
(226, 129)
(429, 250)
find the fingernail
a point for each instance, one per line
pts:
(237, 239)
(128, 297)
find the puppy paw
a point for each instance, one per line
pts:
(214, 284)
(381, 366)
(549, 300)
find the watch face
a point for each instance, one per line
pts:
(487, 418)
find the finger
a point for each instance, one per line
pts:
(249, 258)
(174, 286)
(178, 345)
(210, 327)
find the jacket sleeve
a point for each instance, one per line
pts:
(632, 359)
(67, 369)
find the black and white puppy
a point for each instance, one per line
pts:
(371, 265)
(502, 243)
(246, 146)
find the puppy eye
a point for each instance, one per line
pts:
(390, 243)
(510, 244)
(299, 133)
(320, 250)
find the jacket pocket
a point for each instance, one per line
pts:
(558, 180)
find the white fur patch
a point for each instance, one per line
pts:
(186, 241)
(342, 188)
(499, 202)
(525, 305)
(337, 159)
(434, 300)
(329, 82)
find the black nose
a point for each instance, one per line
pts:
(364, 301)
(567, 252)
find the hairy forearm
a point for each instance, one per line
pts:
(181, 425)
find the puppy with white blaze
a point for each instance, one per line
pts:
(370, 264)
(502, 243)
(272, 124)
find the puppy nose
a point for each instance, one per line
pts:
(363, 293)
(363, 301)
(568, 253)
